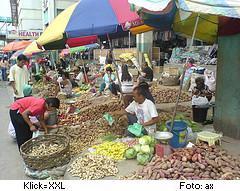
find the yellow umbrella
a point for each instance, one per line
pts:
(54, 32)
(32, 48)
(141, 29)
(207, 26)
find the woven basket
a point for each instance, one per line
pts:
(56, 159)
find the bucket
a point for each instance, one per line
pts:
(199, 114)
(179, 132)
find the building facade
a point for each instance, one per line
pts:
(51, 8)
(29, 15)
(27, 19)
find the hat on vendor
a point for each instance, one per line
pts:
(27, 90)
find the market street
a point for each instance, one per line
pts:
(11, 165)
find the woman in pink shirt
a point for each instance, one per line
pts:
(20, 111)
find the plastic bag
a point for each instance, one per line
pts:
(11, 130)
(210, 80)
(52, 174)
(136, 129)
(108, 118)
(35, 134)
(200, 101)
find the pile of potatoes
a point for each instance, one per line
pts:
(79, 104)
(168, 95)
(164, 116)
(85, 135)
(93, 113)
(199, 162)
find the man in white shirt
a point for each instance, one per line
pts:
(144, 110)
(19, 76)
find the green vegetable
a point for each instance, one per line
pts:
(145, 140)
(109, 137)
(137, 147)
(163, 127)
(152, 150)
(145, 149)
(130, 153)
(194, 126)
(143, 159)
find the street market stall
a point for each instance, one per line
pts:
(95, 142)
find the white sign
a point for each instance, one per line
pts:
(24, 34)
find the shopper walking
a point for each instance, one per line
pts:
(19, 76)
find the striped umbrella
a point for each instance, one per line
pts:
(78, 49)
(89, 18)
(207, 12)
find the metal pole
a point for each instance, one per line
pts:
(116, 66)
(184, 71)
(129, 39)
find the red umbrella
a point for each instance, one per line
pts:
(16, 45)
(81, 41)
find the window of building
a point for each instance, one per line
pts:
(45, 16)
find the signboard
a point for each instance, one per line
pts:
(6, 19)
(24, 34)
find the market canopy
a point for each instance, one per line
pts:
(32, 49)
(155, 12)
(141, 29)
(89, 18)
(227, 8)
(78, 49)
(16, 45)
(16, 54)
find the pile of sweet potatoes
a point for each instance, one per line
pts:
(199, 162)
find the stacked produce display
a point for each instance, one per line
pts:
(89, 125)
(43, 149)
(168, 95)
(78, 104)
(97, 145)
(92, 167)
(113, 150)
(143, 151)
(45, 89)
(199, 162)
(90, 113)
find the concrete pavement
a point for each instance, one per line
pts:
(11, 164)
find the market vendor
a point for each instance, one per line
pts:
(82, 77)
(141, 110)
(20, 111)
(202, 90)
(108, 80)
(65, 84)
(126, 79)
(146, 74)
